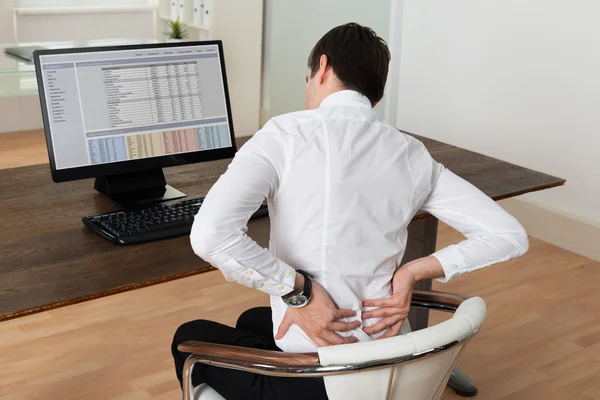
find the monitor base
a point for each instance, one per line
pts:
(137, 189)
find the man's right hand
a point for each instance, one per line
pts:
(394, 310)
(320, 320)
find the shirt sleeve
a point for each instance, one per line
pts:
(219, 230)
(492, 234)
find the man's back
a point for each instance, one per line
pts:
(346, 195)
(342, 187)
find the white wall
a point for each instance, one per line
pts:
(292, 28)
(7, 34)
(517, 80)
(240, 26)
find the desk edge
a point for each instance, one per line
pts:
(106, 293)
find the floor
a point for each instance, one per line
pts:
(541, 339)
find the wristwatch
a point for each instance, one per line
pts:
(303, 298)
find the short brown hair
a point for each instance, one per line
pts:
(359, 58)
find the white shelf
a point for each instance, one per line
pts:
(80, 10)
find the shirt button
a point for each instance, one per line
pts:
(249, 272)
(280, 287)
(454, 266)
(287, 274)
(454, 276)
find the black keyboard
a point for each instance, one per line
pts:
(160, 221)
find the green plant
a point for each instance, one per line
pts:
(177, 30)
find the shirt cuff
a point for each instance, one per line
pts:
(280, 282)
(452, 262)
(285, 281)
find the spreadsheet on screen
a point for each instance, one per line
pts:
(121, 105)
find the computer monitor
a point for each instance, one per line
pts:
(120, 114)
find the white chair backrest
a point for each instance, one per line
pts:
(205, 392)
(420, 379)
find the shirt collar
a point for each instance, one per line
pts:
(346, 98)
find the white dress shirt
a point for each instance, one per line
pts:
(342, 187)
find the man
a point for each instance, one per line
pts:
(342, 187)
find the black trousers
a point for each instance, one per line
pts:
(254, 329)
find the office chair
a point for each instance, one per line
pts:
(415, 366)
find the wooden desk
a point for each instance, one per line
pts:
(48, 259)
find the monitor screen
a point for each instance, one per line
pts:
(134, 103)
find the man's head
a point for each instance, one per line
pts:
(351, 57)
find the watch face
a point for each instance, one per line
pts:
(297, 301)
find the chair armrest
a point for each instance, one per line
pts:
(435, 300)
(249, 355)
(266, 362)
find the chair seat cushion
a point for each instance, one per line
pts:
(205, 392)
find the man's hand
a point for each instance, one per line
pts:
(319, 320)
(394, 310)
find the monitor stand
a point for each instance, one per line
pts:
(137, 189)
